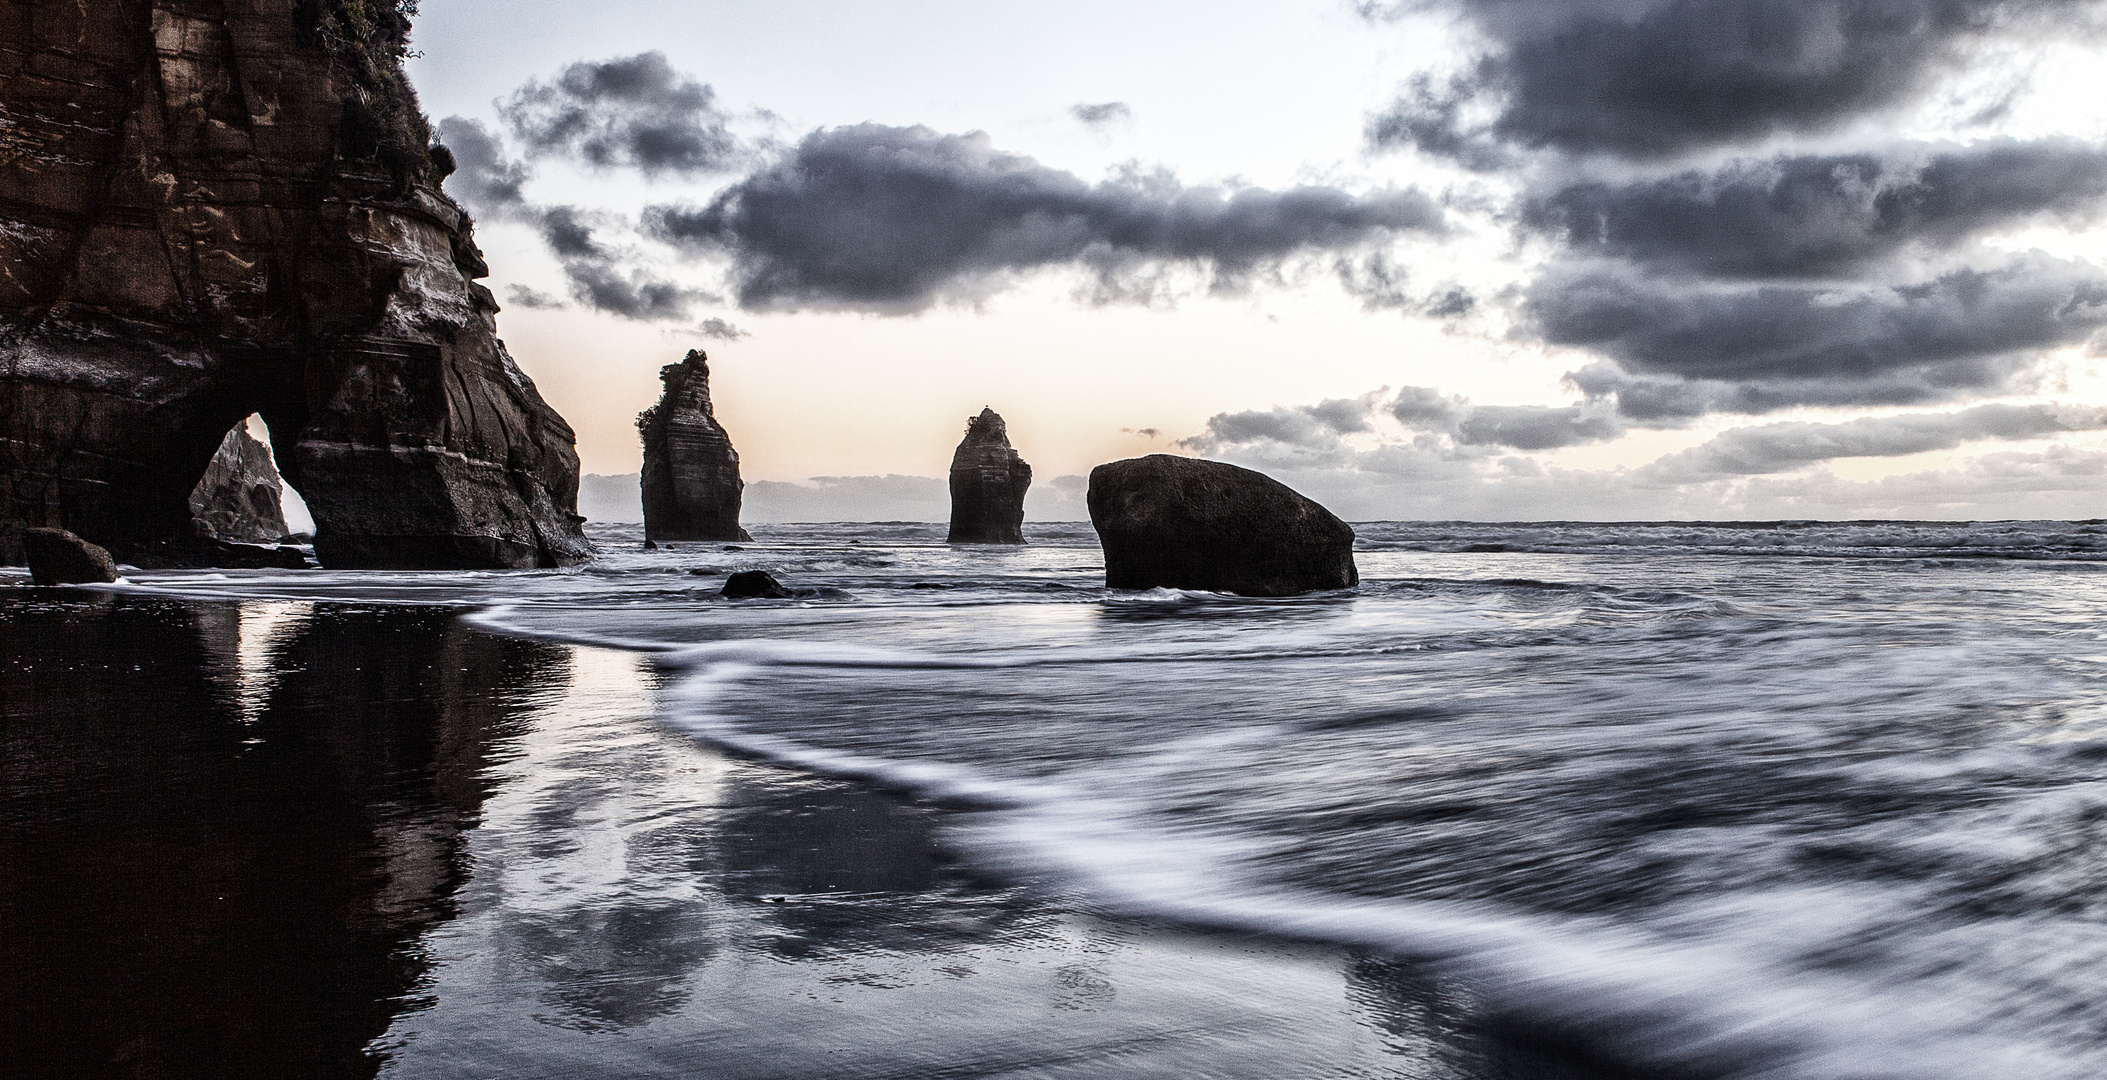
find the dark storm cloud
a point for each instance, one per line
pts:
(635, 111)
(528, 297)
(1520, 427)
(1533, 427)
(599, 275)
(1652, 78)
(720, 330)
(1382, 283)
(1317, 429)
(1102, 114)
(894, 219)
(604, 277)
(484, 178)
(1773, 448)
(1310, 427)
(1969, 330)
(1826, 215)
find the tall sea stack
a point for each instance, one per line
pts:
(988, 481)
(691, 473)
(217, 209)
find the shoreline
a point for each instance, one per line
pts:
(536, 876)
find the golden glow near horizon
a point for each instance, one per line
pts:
(818, 393)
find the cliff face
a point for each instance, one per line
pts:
(210, 208)
(691, 473)
(988, 482)
(237, 500)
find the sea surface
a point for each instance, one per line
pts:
(1781, 800)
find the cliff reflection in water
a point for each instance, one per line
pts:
(318, 839)
(225, 825)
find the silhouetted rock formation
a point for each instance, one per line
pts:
(57, 557)
(1183, 523)
(213, 210)
(238, 499)
(988, 482)
(691, 473)
(754, 585)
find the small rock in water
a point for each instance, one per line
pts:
(733, 547)
(1185, 523)
(57, 557)
(650, 545)
(754, 585)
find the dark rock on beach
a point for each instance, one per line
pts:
(691, 473)
(1183, 523)
(214, 210)
(57, 557)
(238, 498)
(988, 482)
(754, 585)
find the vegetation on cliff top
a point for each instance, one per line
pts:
(371, 38)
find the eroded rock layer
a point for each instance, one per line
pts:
(691, 479)
(211, 208)
(238, 499)
(988, 482)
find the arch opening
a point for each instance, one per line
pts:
(243, 498)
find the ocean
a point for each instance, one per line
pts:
(1780, 800)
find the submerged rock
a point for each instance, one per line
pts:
(238, 498)
(988, 482)
(1183, 523)
(691, 473)
(754, 585)
(57, 557)
(214, 210)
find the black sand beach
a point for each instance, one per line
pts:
(283, 839)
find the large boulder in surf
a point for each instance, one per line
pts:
(988, 482)
(238, 498)
(1183, 523)
(57, 557)
(218, 209)
(691, 473)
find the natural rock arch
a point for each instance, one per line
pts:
(216, 210)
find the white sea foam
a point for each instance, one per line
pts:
(1824, 802)
(1716, 1001)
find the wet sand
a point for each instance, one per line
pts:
(289, 839)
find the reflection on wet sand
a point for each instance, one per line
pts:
(225, 826)
(644, 906)
(317, 840)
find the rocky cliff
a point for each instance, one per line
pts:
(238, 500)
(988, 482)
(691, 473)
(210, 208)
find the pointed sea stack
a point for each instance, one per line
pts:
(1183, 523)
(218, 209)
(988, 482)
(238, 499)
(691, 473)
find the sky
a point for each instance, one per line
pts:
(1485, 259)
